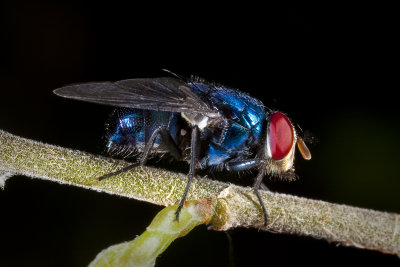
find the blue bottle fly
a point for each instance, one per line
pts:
(207, 125)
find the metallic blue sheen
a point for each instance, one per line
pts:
(235, 137)
(244, 130)
(216, 155)
(243, 165)
(135, 126)
(238, 134)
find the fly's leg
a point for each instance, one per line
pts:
(194, 155)
(241, 165)
(256, 186)
(166, 139)
(264, 187)
(134, 165)
(248, 164)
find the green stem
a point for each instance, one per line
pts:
(234, 206)
(163, 230)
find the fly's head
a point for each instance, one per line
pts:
(280, 145)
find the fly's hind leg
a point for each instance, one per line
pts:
(134, 165)
(166, 139)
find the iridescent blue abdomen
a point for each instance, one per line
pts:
(131, 129)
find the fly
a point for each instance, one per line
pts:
(208, 125)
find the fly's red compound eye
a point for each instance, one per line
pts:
(280, 136)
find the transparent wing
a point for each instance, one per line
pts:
(164, 94)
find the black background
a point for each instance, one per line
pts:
(330, 67)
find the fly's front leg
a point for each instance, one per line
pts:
(166, 139)
(194, 155)
(242, 165)
(248, 164)
(256, 186)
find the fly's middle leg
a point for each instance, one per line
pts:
(194, 155)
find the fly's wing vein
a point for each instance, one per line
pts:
(163, 94)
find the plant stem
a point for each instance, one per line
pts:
(234, 206)
(163, 230)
